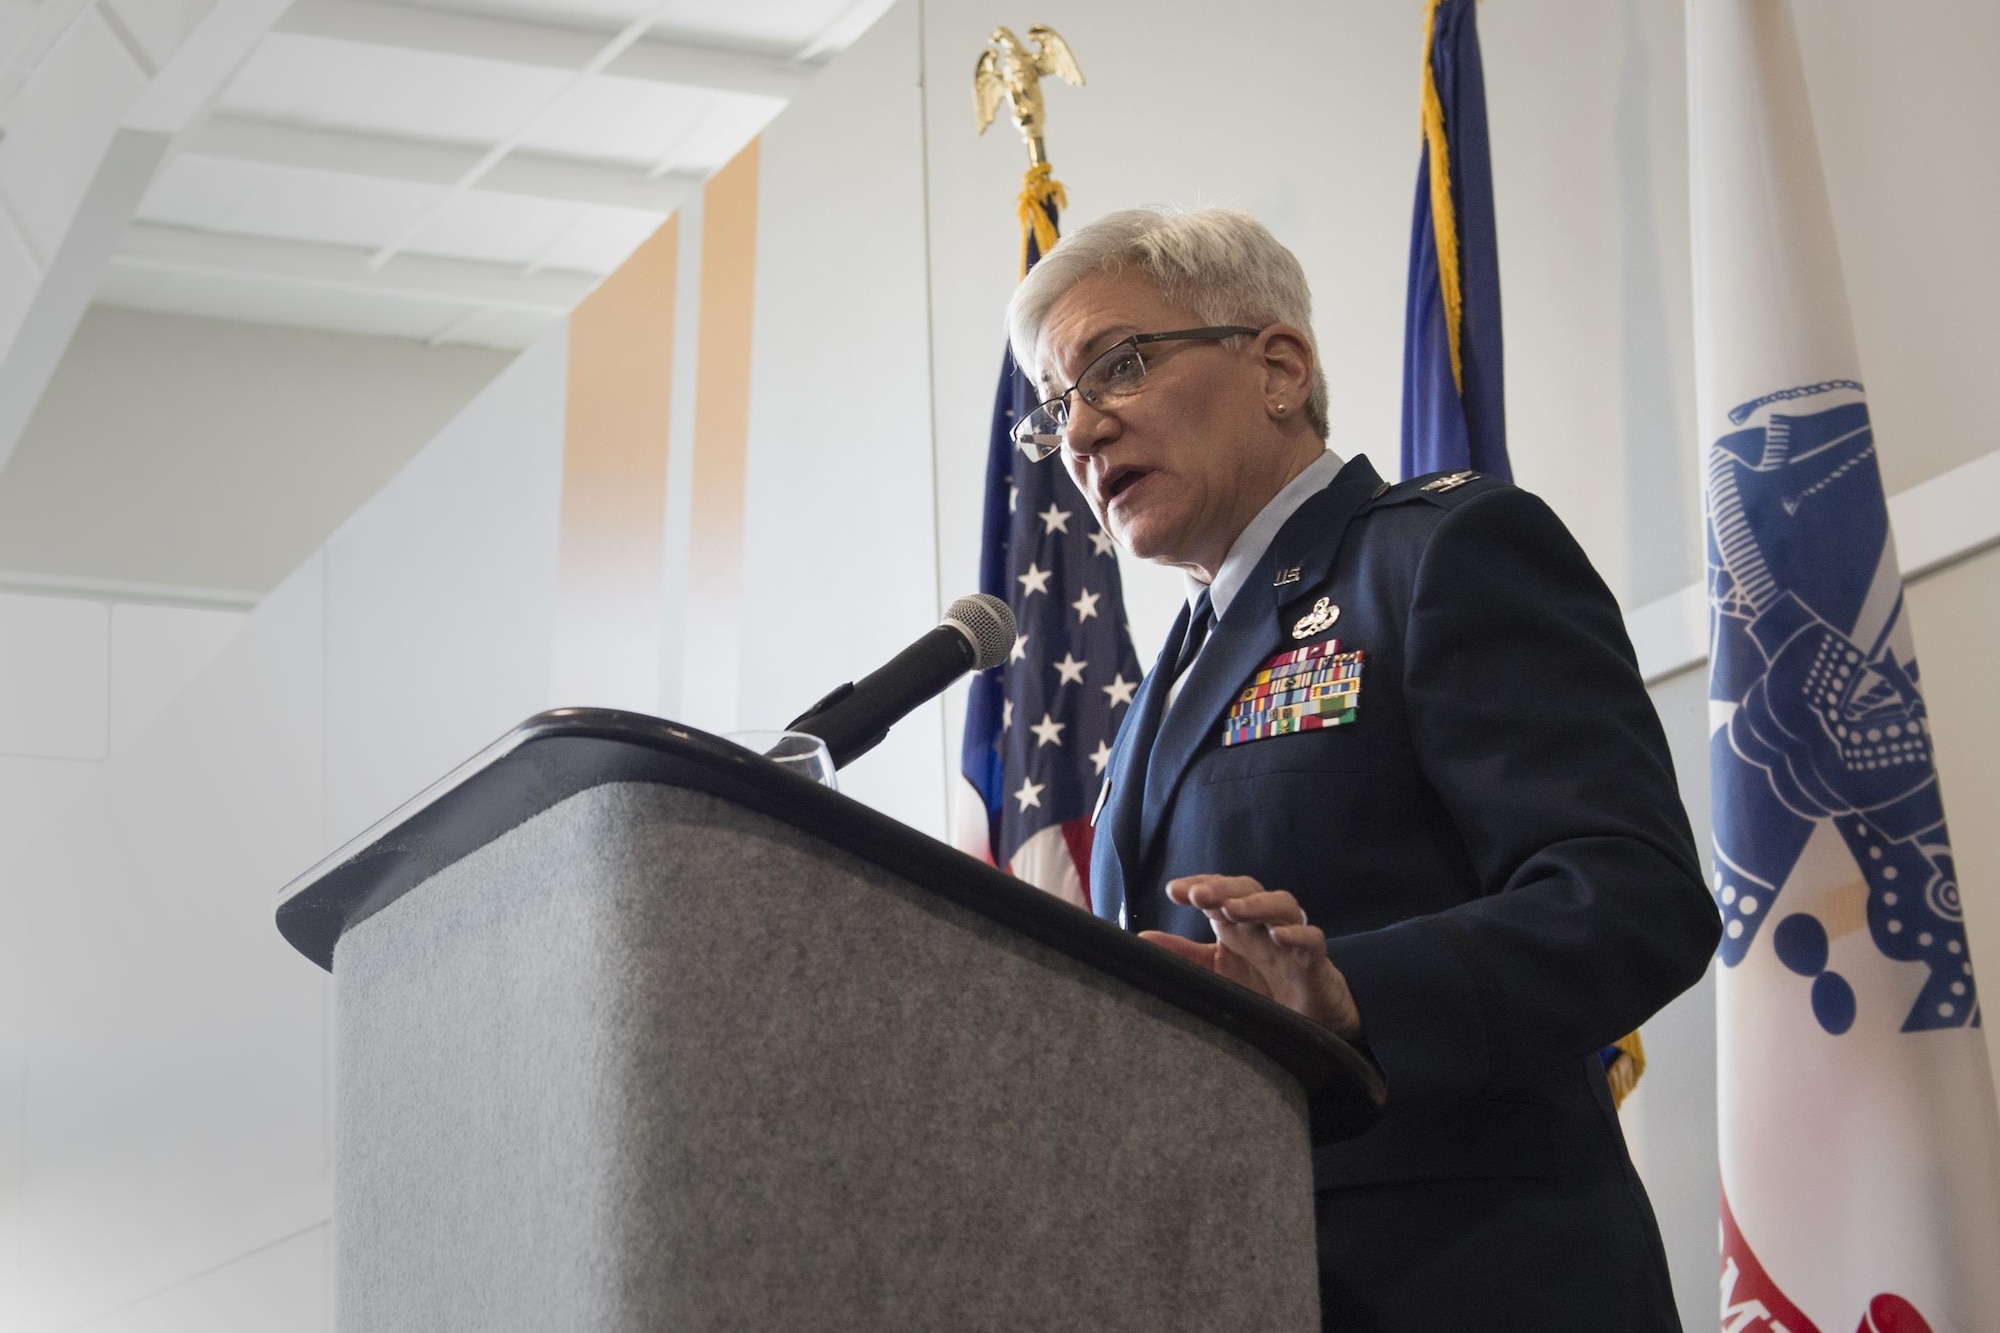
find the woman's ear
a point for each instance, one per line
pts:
(1288, 368)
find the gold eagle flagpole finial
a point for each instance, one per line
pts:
(1009, 72)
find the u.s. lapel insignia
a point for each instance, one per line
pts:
(1286, 576)
(1320, 618)
(1451, 481)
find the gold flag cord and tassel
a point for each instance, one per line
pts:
(1039, 191)
(1623, 1073)
(1444, 219)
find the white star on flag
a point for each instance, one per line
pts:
(1101, 540)
(1035, 580)
(1120, 689)
(1013, 495)
(1030, 793)
(1006, 714)
(1048, 731)
(1020, 648)
(1070, 670)
(1101, 756)
(1053, 519)
(1086, 605)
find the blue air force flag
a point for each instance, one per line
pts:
(1038, 728)
(1859, 1147)
(1454, 414)
(1454, 406)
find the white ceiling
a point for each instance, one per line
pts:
(460, 171)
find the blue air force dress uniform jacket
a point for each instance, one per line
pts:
(1479, 809)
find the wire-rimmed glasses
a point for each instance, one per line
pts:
(1111, 378)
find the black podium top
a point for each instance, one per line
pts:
(555, 755)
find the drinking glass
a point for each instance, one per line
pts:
(797, 751)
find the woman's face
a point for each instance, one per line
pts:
(1177, 471)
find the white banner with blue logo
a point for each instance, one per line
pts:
(1859, 1143)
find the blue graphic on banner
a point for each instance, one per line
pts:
(1810, 645)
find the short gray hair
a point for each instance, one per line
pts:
(1223, 265)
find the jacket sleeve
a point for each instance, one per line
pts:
(1531, 721)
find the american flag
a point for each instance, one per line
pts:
(1039, 727)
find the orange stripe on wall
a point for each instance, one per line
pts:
(612, 544)
(721, 435)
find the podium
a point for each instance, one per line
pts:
(636, 1030)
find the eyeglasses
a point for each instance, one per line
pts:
(1113, 377)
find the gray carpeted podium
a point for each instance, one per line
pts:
(635, 1030)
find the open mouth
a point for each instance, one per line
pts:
(1120, 480)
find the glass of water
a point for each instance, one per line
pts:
(798, 751)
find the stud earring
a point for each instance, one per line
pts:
(1281, 409)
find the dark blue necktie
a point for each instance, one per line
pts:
(1199, 624)
(1174, 664)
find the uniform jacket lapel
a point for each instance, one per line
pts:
(1241, 640)
(1128, 767)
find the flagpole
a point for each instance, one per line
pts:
(1038, 729)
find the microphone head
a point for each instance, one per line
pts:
(988, 623)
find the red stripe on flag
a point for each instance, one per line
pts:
(1889, 1313)
(1077, 833)
(1751, 1302)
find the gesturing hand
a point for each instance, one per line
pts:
(1263, 943)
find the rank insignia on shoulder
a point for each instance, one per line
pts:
(1286, 576)
(1321, 617)
(1450, 481)
(1305, 689)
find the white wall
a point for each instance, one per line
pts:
(839, 546)
(199, 453)
(81, 678)
(440, 598)
(1589, 132)
(1670, 1120)
(1907, 112)
(1955, 613)
(165, 1092)
(163, 1053)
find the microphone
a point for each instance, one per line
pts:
(977, 633)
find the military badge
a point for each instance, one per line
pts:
(1449, 482)
(1306, 689)
(1320, 618)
